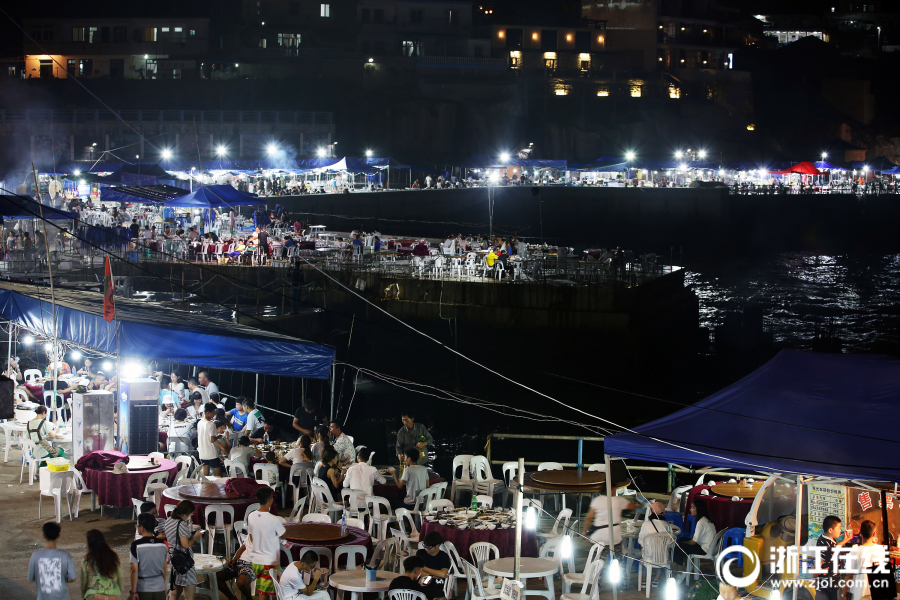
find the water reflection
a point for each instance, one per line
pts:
(859, 293)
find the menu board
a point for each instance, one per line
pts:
(824, 499)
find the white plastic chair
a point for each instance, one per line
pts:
(552, 466)
(692, 559)
(386, 554)
(219, 511)
(438, 505)
(29, 457)
(422, 500)
(251, 509)
(484, 480)
(476, 588)
(52, 403)
(61, 485)
(315, 518)
(576, 578)
(270, 471)
(406, 595)
(658, 551)
(235, 468)
(351, 553)
(296, 512)
(591, 583)
(31, 374)
(440, 488)
(355, 500)
(407, 524)
(298, 470)
(324, 501)
(239, 528)
(156, 455)
(464, 481)
(481, 552)
(510, 475)
(351, 522)
(406, 548)
(12, 437)
(457, 570)
(184, 468)
(565, 514)
(81, 488)
(380, 516)
(323, 553)
(156, 483)
(485, 501)
(279, 591)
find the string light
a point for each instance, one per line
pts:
(28, 340)
(565, 548)
(531, 518)
(75, 354)
(614, 573)
(107, 366)
(775, 594)
(48, 346)
(672, 589)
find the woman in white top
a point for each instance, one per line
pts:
(177, 386)
(597, 519)
(867, 554)
(704, 533)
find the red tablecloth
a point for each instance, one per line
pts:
(358, 537)
(504, 539)
(163, 437)
(118, 490)
(239, 506)
(723, 511)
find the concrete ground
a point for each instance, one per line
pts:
(20, 532)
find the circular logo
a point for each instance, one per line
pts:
(723, 566)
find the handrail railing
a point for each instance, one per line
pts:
(69, 116)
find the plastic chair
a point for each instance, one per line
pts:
(481, 552)
(438, 505)
(81, 488)
(219, 511)
(440, 489)
(484, 480)
(693, 566)
(381, 516)
(279, 591)
(61, 484)
(184, 468)
(476, 588)
(156, 455)
(464, 481)
(485, 501)
(566, 514)
(735, 537)
(385, 556)
(298, 470)
(577, 578)
(350, 553)
(658, 552)
(406, 548)
(297, 511)
(30, 374)
(422, 500)
(12, 436)
(235, 468)
(324, 502)
(316, 518)
(52, 403)
(351, 522)
(29, 457)
(457, 570)
(239, 528)
(323, 553)
(406, 595)
(271, 472)
(251, 509)
(510, 474)
(675, 519)
(591, 582)
(405, 520)
(156, 483)
(355, 501)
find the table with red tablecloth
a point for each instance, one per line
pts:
(171, 496)
(724, 512)
(118, 490)
(504, 539)
(355, 537)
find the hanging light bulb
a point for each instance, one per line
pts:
(671, 589)
(565, 548)
(614, 573)
(107, 366)
(531, 518)
(48, 346)
(775, 594)
(28, 339)
(75, 354)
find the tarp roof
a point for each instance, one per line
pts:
(215, 196)
(381, 163)
(142, 193)
(16, 207)
(803, 168)
(148, 330)
(349, 164)
(794, 414)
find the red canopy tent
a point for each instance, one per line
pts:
(803, 168)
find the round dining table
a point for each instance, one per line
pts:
(240, 505)
(356, 583)
(531, 568)
(117, 490)
(503, 539)
(355, 537)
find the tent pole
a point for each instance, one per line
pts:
(256, 390)
(9, 352)
(797, 536)
(517, 565)
(609, 520)
(332, 391)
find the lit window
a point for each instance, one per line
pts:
(324, 10)
(500, 33)
(165, 30)
(178, 30)
(193, 32)
(561, 91)
(515, 59)
(534, 36)
(603, 92)
(568, 37)
(635, 91)
(674, 92)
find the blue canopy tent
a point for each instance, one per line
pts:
(147, 330)
(18, 207)
(142, 193)
(215, 196)
(349, 164)
(893, 171)
(385, 163)
(786, 417)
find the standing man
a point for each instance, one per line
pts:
(50, 568)
(413, 435)
(263, 240)
(206, 441)
(308, 417)
(263, 531)
(149, 556)
(342, 445)
(828, 585)
(211, 388)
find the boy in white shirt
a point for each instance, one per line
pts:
(242, 453)
(362, 476)
(263, 533)
(300, 579)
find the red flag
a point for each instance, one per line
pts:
(109, 294)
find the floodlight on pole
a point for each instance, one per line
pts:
(678, 154)
(167, 154)
(368, 153)
(77, 172)
(629, 156)
(702, 154)
(504, 157)
(48, 346)
(271, 149)
(220, 151)
(321, 151)
(824, 155)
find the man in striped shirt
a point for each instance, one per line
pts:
(149, 556)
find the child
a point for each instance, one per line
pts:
(272, 459)
(159, 530)
(51, 568)
(827, 585)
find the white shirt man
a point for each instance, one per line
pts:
(193, 387)
(428, 181)
(206, 431)
(263, 530)
(362, 476)
(203, 378)
(296, 580)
